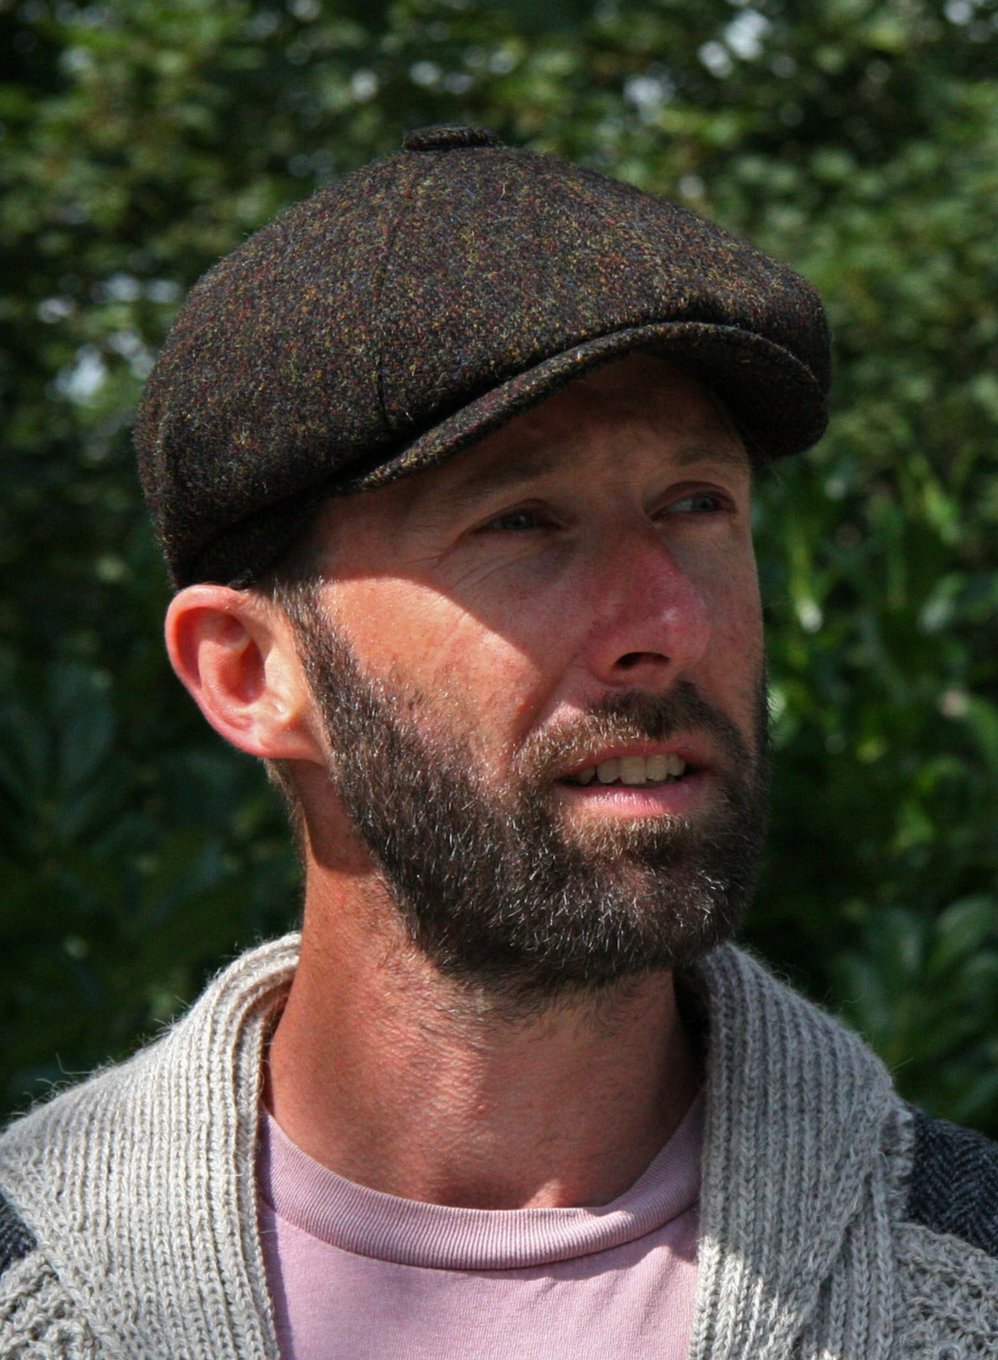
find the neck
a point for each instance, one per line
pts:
(402, 1080)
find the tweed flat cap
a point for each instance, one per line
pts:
(404, 311)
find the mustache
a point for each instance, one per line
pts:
(636, 715)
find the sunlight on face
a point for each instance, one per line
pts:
(495, 637)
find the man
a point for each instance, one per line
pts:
(452, 469)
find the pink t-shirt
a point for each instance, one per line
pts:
(360, 1275)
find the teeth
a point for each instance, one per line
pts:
(658, 767)
(634, 770)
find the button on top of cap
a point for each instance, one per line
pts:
(448, 136)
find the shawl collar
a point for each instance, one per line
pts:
(795, 1253)
(140, 1181)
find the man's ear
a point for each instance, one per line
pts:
(234, 652)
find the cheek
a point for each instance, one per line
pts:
(738, 610)
(737, 644)
(459, 662)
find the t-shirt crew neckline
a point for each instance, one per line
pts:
(385, 1227)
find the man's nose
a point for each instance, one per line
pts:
(651, 622)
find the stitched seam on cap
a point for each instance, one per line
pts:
(377, 292)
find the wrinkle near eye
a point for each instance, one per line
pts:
(481, 574)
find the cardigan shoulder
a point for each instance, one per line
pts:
(954, 1182)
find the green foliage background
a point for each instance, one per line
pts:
(857, 139)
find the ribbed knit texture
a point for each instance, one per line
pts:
(139, 1188)
(795, 1234)
(140, 1182)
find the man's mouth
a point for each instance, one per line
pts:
(633, 771)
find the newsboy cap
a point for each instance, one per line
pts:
(404, 311)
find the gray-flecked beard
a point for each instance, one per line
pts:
(490, 885)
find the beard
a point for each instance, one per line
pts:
(490, 885)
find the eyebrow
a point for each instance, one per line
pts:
(727, 453)
(525, 465)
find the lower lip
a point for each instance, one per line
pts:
(681, 798)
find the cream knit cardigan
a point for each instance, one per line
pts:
(138, 1188)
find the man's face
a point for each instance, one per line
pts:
(539, 670)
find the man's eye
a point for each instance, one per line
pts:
(698, 503)
(515, 520)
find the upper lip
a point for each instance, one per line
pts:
(689, 749)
